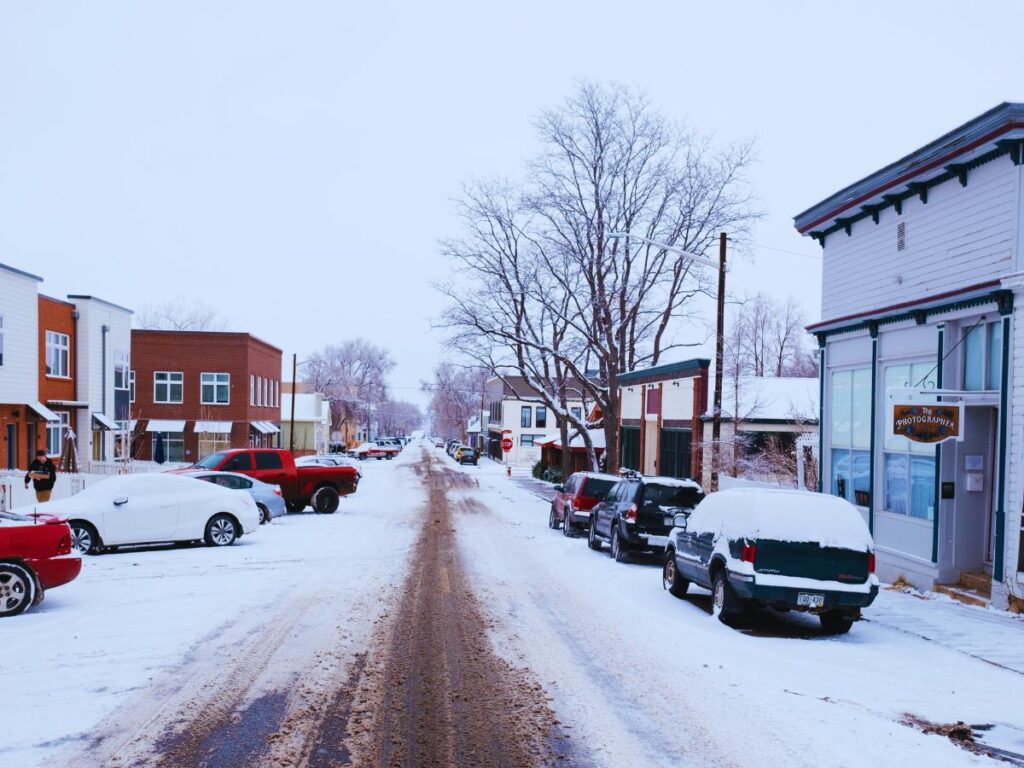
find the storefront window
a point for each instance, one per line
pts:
(174, 446)
(851, 435)
(983, 356)
(909, 473)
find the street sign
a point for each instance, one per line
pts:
(506, 444)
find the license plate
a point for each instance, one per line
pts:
(810, 600)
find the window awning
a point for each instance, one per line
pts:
(272, 429)
(43, 411)
(165, 425)
(69, 403)
(214, 427)
(104, 421)
(260, 426)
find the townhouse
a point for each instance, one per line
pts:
(922, 370)
(515, 408)
(196, 392)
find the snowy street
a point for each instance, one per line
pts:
(359, 639)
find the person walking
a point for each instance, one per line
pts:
(43, 474)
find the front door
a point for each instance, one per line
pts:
(975, 479)
(12, 446)
(651, 447)
(30, 443)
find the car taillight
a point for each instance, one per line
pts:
(631, 514)
(277, 490)
(871, 562)
(749, 553)
(64, 545)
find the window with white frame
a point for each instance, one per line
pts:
(55, 432)
(174, 445)
(121, 379)
(908, 468)
(526, 416)
(850, 434)
(259, 390)
(983, 356)
(168, 386)
(215, 388)
(131, 386)
(252, 389)
(577, 412)
(528, 441)
(58, 354)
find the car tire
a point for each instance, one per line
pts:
(671, 578)
(552, 519)
(295, 506)
(835, 622)
(568, 528)
(592, 541)
(17, 589)
(264, 514)
(84, 538)
(326, 500)
(725, 606)
(221, 531)
(389, 457)
(618, 552)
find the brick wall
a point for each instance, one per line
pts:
(55, 315)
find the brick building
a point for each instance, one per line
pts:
(58, 368)
(202, 391)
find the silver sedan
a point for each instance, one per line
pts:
(268, 497)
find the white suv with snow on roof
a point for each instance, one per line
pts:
(785, 549)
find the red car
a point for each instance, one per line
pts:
(35, 555)
(574, 499)
(315, 484)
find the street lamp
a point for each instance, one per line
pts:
(716, 408)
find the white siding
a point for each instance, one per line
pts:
(961, 237)
(677, 401)
(19, 305)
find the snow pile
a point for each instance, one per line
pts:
(782, 515)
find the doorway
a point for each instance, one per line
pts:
(30, 444)
(975, 478)
(12, 446)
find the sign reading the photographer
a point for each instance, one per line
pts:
(927, 423)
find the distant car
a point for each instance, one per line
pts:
(35, 556)
(574, 499)
(153, 508)
(638, 514)
(439, 443)
(375, 451)
(269, 499)
(784, 549)
(463, 454)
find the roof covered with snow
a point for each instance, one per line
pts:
(308, 407)
(768, 398)
(576, 440)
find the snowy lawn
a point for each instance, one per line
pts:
(640, 677)
(134, 616)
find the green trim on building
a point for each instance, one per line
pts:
(874, 420)
(1004, 384)
(821, 413)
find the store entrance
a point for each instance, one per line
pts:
(975, 480)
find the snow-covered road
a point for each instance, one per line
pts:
(155, 656)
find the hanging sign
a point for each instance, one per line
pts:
(927, 423)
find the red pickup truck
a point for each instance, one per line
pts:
(312, 484)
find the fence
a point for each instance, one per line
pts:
(14, 494)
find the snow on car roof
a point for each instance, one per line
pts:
(782, 515)
(599, 476)
(675, 482)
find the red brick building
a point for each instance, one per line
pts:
(201, 391)
(58, 368)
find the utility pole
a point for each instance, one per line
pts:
(716, 413)
(295, 392)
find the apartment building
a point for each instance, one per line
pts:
(196, 392)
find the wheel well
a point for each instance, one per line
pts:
(87, 524)
(325, 484)
(717, 564)
(231, 517)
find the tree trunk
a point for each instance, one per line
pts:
(610, 416)
(566, 450)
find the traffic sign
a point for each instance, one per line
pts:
(506, 444)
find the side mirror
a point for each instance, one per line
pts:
(559, 488)
(119, 500)
(679, 520)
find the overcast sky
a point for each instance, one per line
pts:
(293, 164)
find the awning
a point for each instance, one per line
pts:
(104, 421)
(272, 429)
(69, 403)
(260, 426)
(43, 411)
(214, 427)
(165, 425)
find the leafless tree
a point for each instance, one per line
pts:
(180, 315)
(766, 337)
(397, 418)
(456, 395)
(610, 163)
(353, 376)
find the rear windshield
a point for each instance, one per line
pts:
(671, 496)
(211, 461)
(596, 488)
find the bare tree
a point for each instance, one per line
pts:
(766, 337)
(353, 376)
(610, 163)
(456, 394)
(397, 418)
(180, 315)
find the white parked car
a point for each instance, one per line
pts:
(153, 508)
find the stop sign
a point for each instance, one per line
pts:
(506, 444)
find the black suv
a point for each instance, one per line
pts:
(637, 514)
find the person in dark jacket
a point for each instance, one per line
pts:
(43, 474)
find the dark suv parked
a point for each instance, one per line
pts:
(637, 515)
(576, 497)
